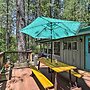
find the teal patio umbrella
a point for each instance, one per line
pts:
(50, 28)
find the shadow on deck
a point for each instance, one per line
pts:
(63, 80)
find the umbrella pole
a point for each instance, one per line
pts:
(51, 42)
(51, 59)
(51, 49)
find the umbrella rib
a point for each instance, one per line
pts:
(46, 27)
(68, 28)
(38, 26)
(65, 28)
(41, 31)
(56, 33)
(60, 26)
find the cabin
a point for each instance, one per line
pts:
(73, 50)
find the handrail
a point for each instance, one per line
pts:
(13, 56)
(18, 51)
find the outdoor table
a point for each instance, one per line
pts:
(57, 67)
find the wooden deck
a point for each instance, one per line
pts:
(22, 80)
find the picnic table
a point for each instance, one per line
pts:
(57, 67)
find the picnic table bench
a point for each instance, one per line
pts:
(60, 67)
(42, 79)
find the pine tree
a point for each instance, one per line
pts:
(20, 23)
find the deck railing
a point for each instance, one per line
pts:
(13, 56)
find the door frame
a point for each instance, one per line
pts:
(86, 53)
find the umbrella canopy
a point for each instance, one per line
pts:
(43, 27)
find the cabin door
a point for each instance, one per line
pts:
(87, 52)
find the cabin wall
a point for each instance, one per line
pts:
(71, 56)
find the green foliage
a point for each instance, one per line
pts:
(76, 10)
(2, 39)
(13, 56)
(12, 46)
(4, 24)
(72, 10)
(35, 49)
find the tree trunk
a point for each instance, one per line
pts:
(19, 25)
(52, 8)
(7, 30)
(38, 7)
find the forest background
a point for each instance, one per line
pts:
(16, 14)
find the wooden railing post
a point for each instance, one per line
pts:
(1, 58)
(4, 60)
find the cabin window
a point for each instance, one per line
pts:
(57, 48)
(69, 45)
(89, 45)
(74, 45)
(64, 45)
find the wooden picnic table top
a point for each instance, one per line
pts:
(57, 67)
